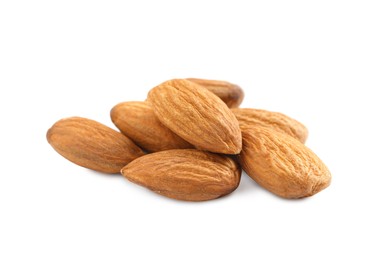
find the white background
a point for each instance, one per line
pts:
(317, 61)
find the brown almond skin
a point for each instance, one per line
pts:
(231, 94)
(197, 116)
(282, 164)
(138, 121)
(248, 117)
(189, 175)
(92, 145)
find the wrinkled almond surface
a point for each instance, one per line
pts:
(92, 145)
(138, 121)
(190, 175)
(248, 117)
(281, 164)
(196, 115)
(231, 94)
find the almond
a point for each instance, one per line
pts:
(231, 94)
(282, 164)
(248, 117)
(197, 116)
(138, 121)
(92, 145)
(190, 175)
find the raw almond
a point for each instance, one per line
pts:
(230, 93)
(138, 121)
(190, 175)
(248, 117)
(282, 164)
(92, 145)
(197, 116)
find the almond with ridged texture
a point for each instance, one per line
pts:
(248, 117)
(282, 164)
(231, 94)
(92, 145)
(189, 175)
(197, 116)
(138, 121)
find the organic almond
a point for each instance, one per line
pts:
(230, 93)
(92, 145)
(248, 117)
(138, 121)
(190, 175)
(282, 164)
(196, 115)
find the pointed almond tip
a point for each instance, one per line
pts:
(231, 150)
(237, 150)
(123, 170)
(237, 145)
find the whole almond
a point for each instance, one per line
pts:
(92, 145)
(190, 175)
(248, 117)
(138, 121)
(282, 164)
(231, 94)
(197, 116)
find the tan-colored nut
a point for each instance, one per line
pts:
(92, 145)
(197, 116)
(190, 175)
(231, 94)
(138, 121)
(282, 164)
(248, 117)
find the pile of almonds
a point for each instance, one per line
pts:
(189, 141)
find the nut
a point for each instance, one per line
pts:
(138, 121)
(282, 164)
(92, 145)
(248, 117)
(231, 94)
(197, 116)
(190, 175)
